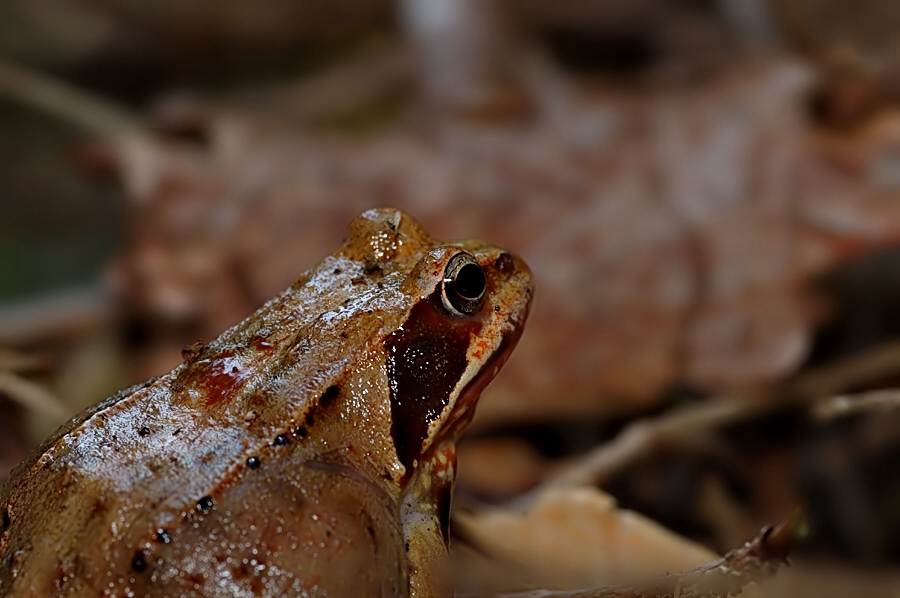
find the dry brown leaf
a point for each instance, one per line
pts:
(577, 538)
(740, 572)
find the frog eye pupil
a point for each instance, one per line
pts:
(464, 285)
(470, 281)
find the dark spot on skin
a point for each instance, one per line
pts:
(309, 419)
(426, 358)
(344, 334)
(280, 440)
(337, 271)
(380, 285)
(163, 535)
(145, 431)
(496, 308)
(6, 521)
(253, 463)
(371, 531)
(139, 562)
(406, 546)
(330, 394)
(205, 504)
(503, 261)
(300, 432)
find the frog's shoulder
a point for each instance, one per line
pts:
(68, 427)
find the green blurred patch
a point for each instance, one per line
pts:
(58, 225)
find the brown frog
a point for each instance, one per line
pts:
(309, 450)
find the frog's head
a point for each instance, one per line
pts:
(457, 312)
(467, 304)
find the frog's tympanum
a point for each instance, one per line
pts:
(309, 450)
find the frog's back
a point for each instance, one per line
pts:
(216, 478)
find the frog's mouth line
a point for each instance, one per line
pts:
(463, 409)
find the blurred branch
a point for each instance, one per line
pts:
(882, 401)
(15, 361)
(644, 436)
(55, 316)
(65, 101)
(31, 396)
(340, 90)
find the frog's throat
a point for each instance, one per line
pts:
(425, 516)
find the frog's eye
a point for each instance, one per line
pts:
(463, 286)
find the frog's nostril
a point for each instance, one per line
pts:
(503, 262)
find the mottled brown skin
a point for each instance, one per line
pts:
(309, 450)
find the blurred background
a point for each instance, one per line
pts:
(708, 192)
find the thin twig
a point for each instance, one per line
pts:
(339, 90)
(643, 436)
(19, 362)
(31, 396)
(881, 401)
(65, 101)
(55, 316)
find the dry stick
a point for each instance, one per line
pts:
(641, 437)
(339, 90)
(19, 362)
(31, 396)
(62, 314)
(882, 401)
(67, 102)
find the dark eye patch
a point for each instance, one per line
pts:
(426, 359)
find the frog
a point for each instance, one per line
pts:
(310, 450)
